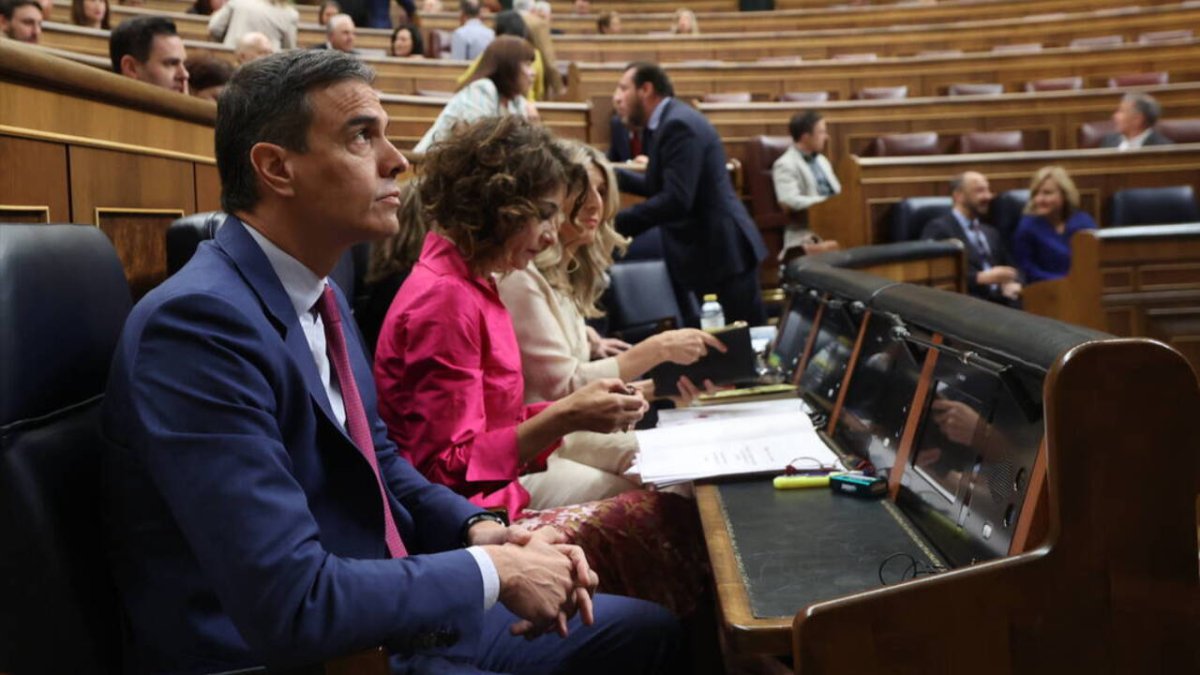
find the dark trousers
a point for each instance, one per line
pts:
(630, 637)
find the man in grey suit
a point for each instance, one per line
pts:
(1135, 119)
(803, 176)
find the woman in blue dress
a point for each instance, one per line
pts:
(1042, 243)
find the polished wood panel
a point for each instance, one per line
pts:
(133, 198)
(33, 185)
(208, 188)
(1135, 282)
(871, 186)
(411, 116)
(139, 236)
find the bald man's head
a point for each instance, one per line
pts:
(972, 194)
(253, 46)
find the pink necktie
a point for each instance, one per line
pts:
(356, 416)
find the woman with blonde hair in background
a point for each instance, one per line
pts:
(1042, 243)
(685, 23)
(549, 300)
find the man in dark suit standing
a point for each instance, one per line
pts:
(711, 245)
(258, 513)
(990, 274)
(1135, 118)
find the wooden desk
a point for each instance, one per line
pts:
(872, 185)
(975, 34)
(1083, 569)
(814, 15)
(1132, 282)
(924, 76)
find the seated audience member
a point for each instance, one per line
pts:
(685, 23)
(340, 34)
(253, 46)
(509, 22)
(432, 7)
(448, 366)
(90, 13)
(148, 49)
(1042, 243)
(990, 274)
(207, 76)
(497, 87)
(544, 11)
(21, 20)
(1135, 118)
(582, 7)
(201, 7)
(549, 300)
(407, 42)
(391, 261)
(327, 10)
(803, 176)
(277, 19)
(258, 512)
(609, 23)
(472, 37)
(710, 243)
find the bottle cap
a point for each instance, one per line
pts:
(710, 297)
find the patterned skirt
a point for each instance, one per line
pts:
(642, 544)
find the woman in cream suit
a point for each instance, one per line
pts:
(548, 301)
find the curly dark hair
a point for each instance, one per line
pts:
(480, 185)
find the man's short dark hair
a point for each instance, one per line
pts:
(208, 71)
(644, 72)
(605, 22)
(9, 7)
(136, 38)
(1147, 106)
(267, 102)
(470, 7)
(509, 22)
(803, 123)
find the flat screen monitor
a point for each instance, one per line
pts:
(794, 328)
(972, 458)
(879, 396)
(826, 367)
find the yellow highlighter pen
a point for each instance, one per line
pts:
(798, 482)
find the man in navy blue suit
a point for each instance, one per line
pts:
(258, 513)
(710, 243)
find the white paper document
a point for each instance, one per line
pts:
(728, 441)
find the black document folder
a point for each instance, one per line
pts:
(737, 365)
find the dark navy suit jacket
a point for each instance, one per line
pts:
(946, 226)
(245, 527)
(707, 233)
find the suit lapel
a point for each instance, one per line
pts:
(254, 267)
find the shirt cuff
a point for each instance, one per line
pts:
(491, 579)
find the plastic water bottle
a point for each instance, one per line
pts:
(711, 314)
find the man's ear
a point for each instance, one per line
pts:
(273, 169)
(129, 66)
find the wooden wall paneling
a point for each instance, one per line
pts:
(133, 198)
(208, 187)
(33, 215)
(33, 184)
(139, 235)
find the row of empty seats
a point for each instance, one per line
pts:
(960, 89)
